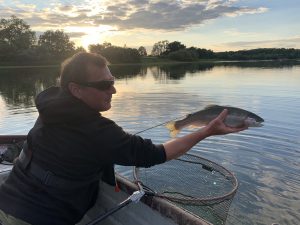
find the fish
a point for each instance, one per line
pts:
(236, 117)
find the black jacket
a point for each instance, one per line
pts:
(74, 142)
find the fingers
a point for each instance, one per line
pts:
(238, 129)
(218, 126)
(223, 115)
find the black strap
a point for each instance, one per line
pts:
(48, 178)
(25, 156)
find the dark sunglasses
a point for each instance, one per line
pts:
(102, 85)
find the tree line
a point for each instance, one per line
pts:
(18, 43)
(178, 51)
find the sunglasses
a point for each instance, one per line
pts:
(102, 85)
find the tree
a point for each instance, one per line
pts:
(204, 53)
(174, 46)
(106, 44)
(142, 51)
(116, 54)
(80, 49)
(55, 44)
(15, 37)
(159, 48)
(184, 55)
(97, 48)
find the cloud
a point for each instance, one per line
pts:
(129, 14)
(65, 8)
(76, 34)
(171, 15)
(245, 10)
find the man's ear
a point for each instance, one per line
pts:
(74, 89)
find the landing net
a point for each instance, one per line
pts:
(194, 183)
(8, 152)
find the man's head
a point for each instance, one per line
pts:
(87, 77)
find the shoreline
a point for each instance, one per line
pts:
(154, 61)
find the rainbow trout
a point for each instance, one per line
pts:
(236, 117)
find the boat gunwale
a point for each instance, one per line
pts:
(166, 208)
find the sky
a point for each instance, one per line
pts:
(219, 25)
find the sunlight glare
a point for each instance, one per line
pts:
(3, 110)
(93, 35)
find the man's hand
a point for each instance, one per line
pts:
(218, 127)
(177, 147)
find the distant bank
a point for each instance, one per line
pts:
(149, 60)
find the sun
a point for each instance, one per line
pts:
(91, 35)
(97, 35)
(89, 39)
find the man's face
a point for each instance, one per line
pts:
(98, 99)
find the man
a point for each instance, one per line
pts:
(71, 147)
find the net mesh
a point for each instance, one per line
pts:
(8, 152)
(193, 183)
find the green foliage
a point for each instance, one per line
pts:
(80, 49)
(177, 51)
(97, 48)
(184, 55)
(18, 43)
(205, 54)
(116, 54)
(15, 37)
(159, 48)
(260, 54)
(173, 47)
(55, 44)
(7, 52)
(121, 55)
(142, 51)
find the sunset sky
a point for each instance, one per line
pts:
(218, 25)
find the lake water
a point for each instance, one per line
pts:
(265, 160)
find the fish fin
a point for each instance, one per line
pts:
(172, 128)
(211, 106)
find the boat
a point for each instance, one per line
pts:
(148, 211)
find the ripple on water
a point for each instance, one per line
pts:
(18, 120)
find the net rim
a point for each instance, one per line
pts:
(220, 198)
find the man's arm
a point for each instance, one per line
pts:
(177, 147)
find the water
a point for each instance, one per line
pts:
(265, 160)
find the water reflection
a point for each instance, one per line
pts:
(265, 160)
(19, 86)
(127, 71)
(179, 71)
(261, 64)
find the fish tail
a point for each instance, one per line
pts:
(172, 128)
